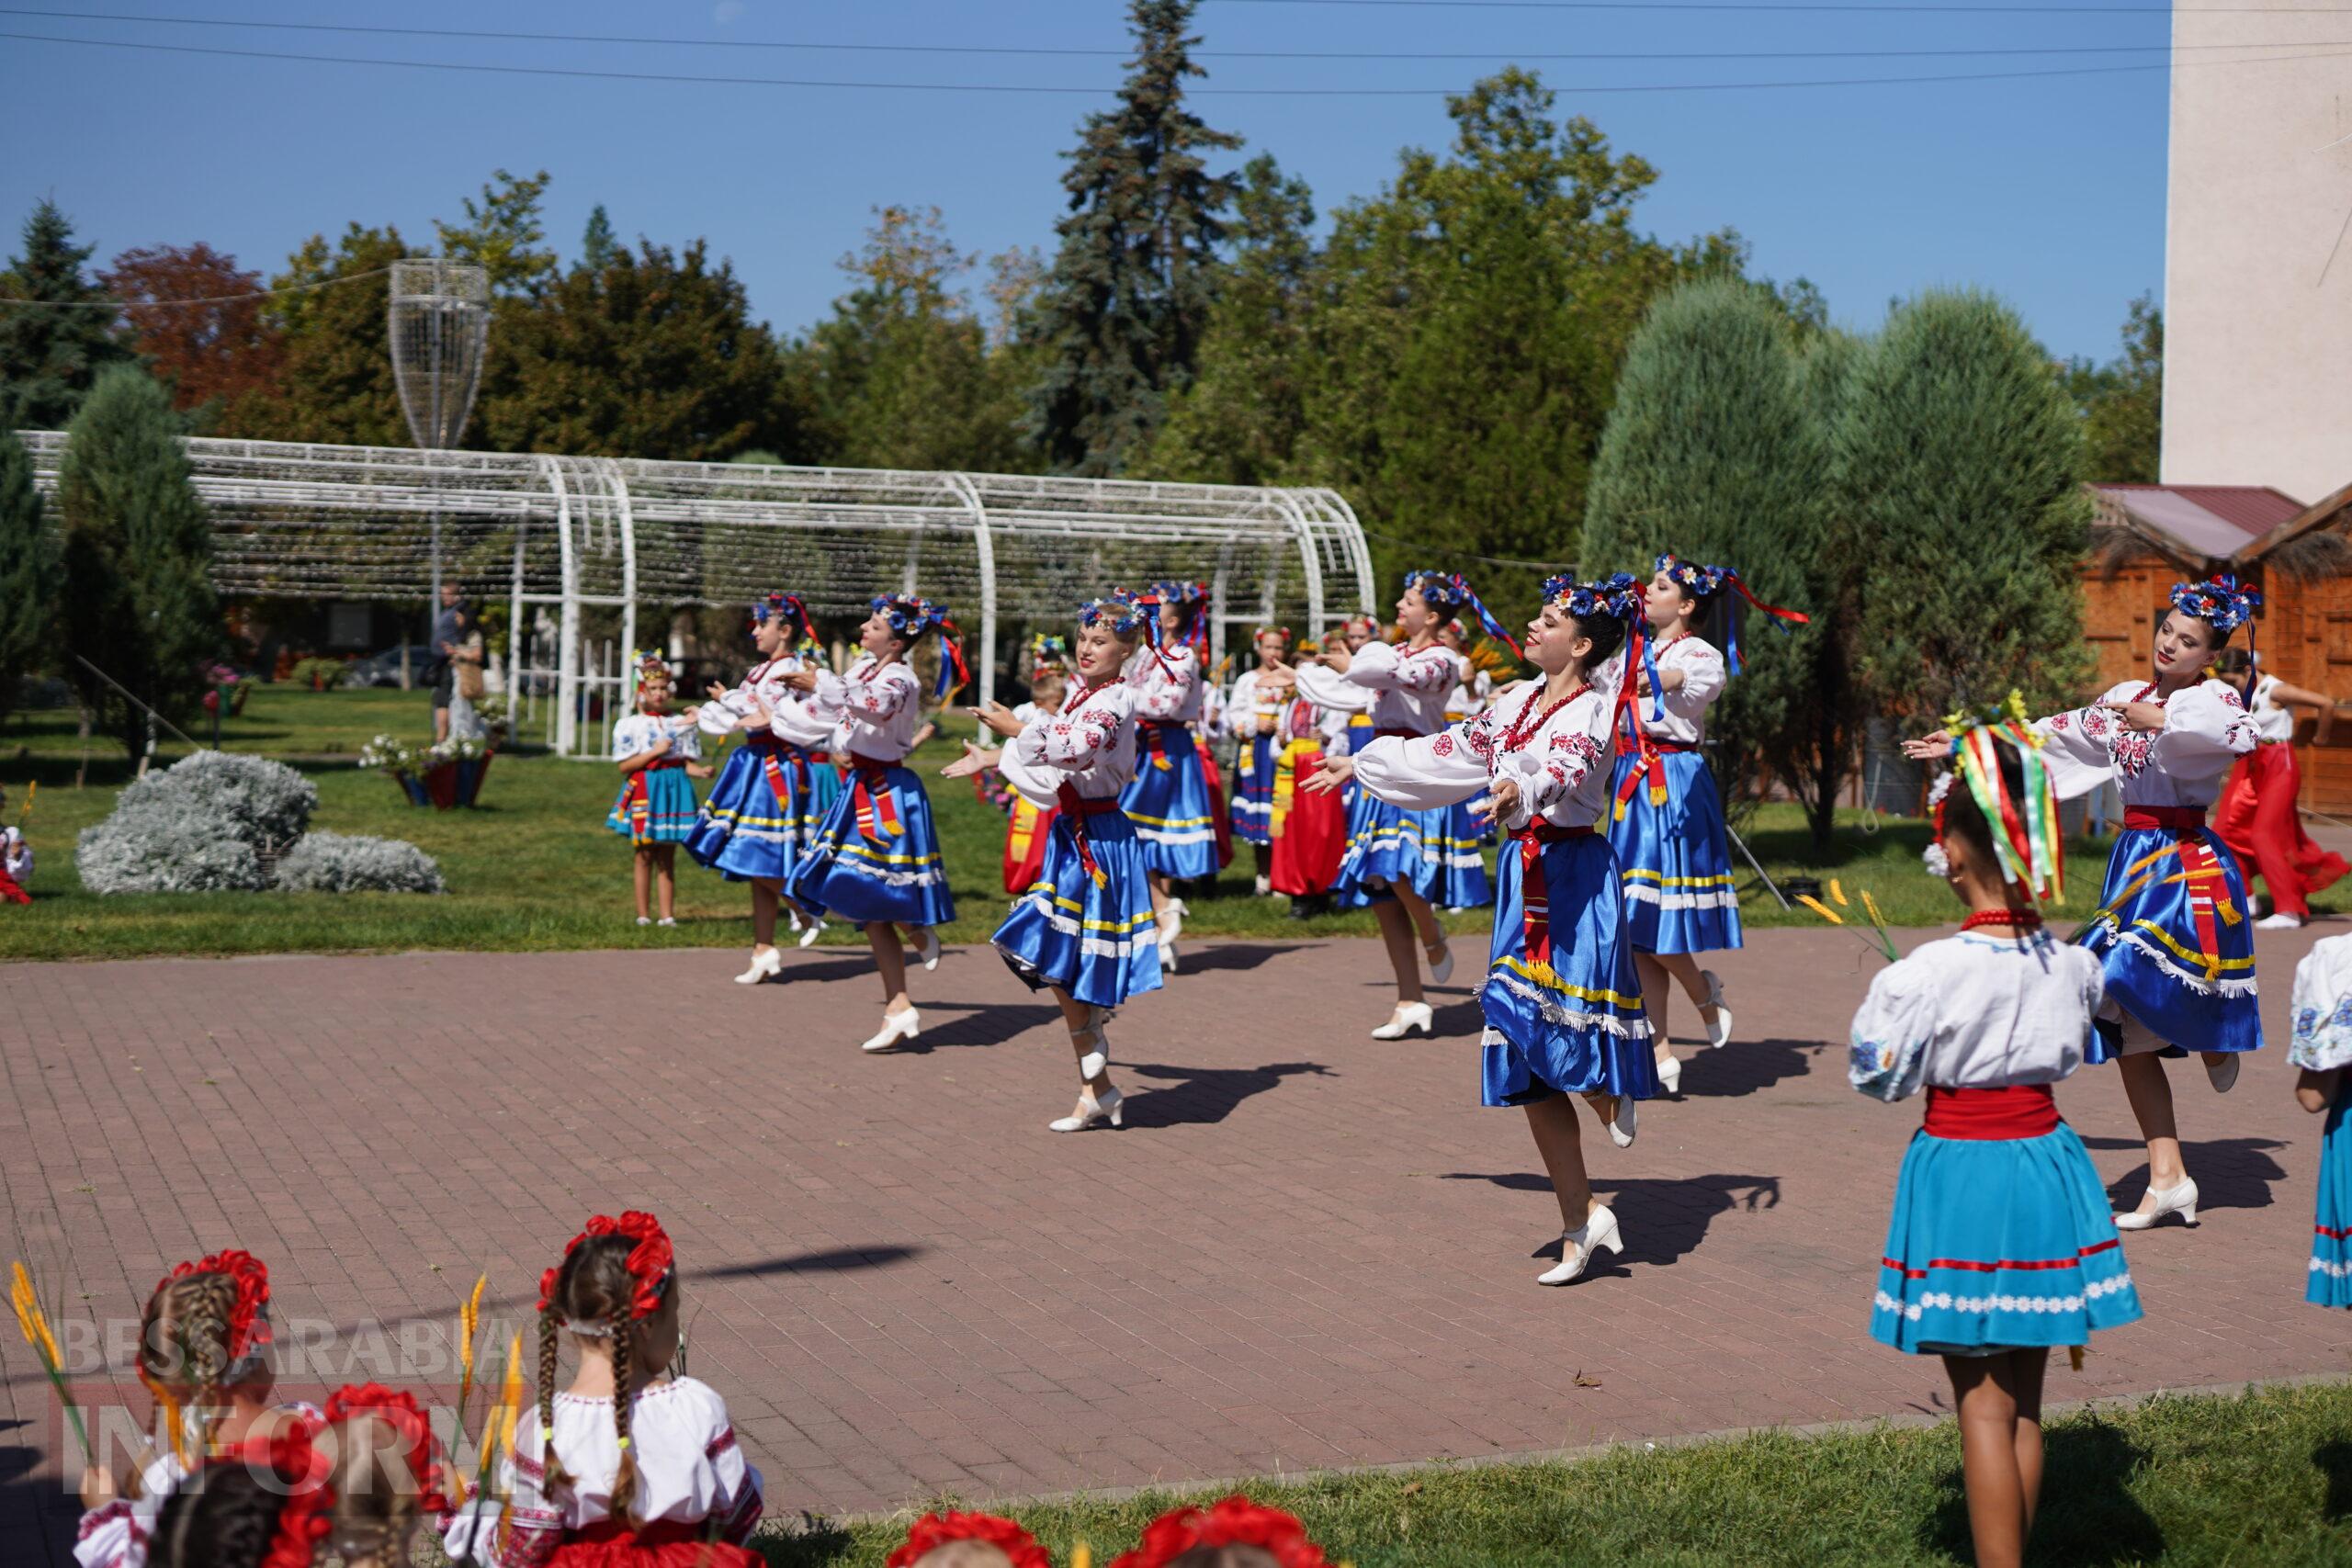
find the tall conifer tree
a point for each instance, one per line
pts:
(1120, 322)
(28, 571)
(53, 346)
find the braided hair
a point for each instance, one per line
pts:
(184, 1337)
(225, 1516)
(593, 1293)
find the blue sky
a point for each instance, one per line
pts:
(2049, 191)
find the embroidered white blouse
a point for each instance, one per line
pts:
(1409, 688)
(688, 1470)
(1975, 1011)
(879, 708)
(1091, 743)
(1252, 700)
(2322, 1008)
(1685, 723)
(1170, 693)
(2206, 729)
(643, 731)
(799, 720)
(1562, 768)
(16, 856)
(2273, 722)
(116, 1533)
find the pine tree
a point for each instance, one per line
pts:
(1713, 452)
(52, 349)
(597, 246)
(29, 572)
(138, 599)
(1957, 459)
(1122, 316)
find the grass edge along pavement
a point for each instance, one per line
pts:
(535, 870)
(2262, 1475)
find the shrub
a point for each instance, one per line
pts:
(168, 844)
(337, 862)
(256, 801)
(316, 670)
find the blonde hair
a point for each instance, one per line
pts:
(377, 1497)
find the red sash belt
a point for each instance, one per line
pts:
(1075, 810)
(1151, 737)
(1648, 768)
(875, 803)
(636, 795)
(2166, 818)
(772, 754)
(2017, 1110)
(1534, 899)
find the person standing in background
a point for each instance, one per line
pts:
(448, 633)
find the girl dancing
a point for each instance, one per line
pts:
(2256, 815)
(1170, 802)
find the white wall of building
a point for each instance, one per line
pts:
(2257, 259)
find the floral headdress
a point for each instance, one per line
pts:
(2226, 605)
(2025, 834)
(934, 1531)
(1449, 590)
(1188, 597)
(1127, 612)
(1048, 655)
(650, 667)
(1236, 1521)
(249, 1316)
(769, 606)
(1618, 596)
(397, 1409)
(911, 616)
(1706, 582)
(650, 1263)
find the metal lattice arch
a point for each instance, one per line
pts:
(594, 544)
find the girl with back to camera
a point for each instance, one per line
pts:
(2171, 930)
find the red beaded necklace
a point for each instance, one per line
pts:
(2023, 920)
(1520, 732)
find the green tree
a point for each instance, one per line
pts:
(1957, 459)
(503, 231)
(1120, 320)
(137, 599)
(1716, 450)
(29, 572)
(597, 246)
(1240, 419)
(66, 330)
(335, 384)
(656, 355)
(2123, 402)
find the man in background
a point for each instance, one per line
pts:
(447, 633)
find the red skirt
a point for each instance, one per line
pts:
(1314, 834)
(1215, 781)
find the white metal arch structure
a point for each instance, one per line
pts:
(590, 542)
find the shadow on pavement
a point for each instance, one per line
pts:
(989, 1025)
(834, 1260)
(38, 1516)
(1229, 955)
(1744, 1067)
(2230, 1173)
(1201, 1095)
(1660, 1221)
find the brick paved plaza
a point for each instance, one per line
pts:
(1308, 1249)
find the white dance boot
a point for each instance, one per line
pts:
(1670, 1075)
(764, 966)
(1576, 1248)
(1719, 1032)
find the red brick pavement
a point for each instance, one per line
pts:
(1308, 1249)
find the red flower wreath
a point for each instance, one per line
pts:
(934, 1531)
(248, 1325)
(397, 1409)
(1236, 1521)
(306, 1515)
(649, 1263)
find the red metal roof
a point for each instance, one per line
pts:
(2207, 520)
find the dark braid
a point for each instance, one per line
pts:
(624, 1347)
(554, 1475)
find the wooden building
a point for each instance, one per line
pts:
(2147, 537)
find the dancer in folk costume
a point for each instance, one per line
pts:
(1085, 932)
(2256, 815)
(1398, 858)
(875, 858)
(1667, 821)
(1168, 802)
(2321, 1049)
(2172, 928)
(15, 865)
(1028, 825)
(203, 1357)
(1310, 825)
(1467, 884)
(658, 753)
(626, 1466)
(777, 785)
(1563, 1003)
(2000, 1245)
(1253, 711)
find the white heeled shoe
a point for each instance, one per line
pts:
(1578, 1246)
(1091, 1110)
(809, 929)
(765, 965)
(1441, 959)
(1407, 1017)
(1164, 934)
(1265, 886)
(1092, 1064)
(2224, 1075)
(2179, 1199)
(2282, 922)
(1626, 1124)
(644, 920)
(1719, 1032)
(929, 950)
(1670, 1075)
(895, 1026)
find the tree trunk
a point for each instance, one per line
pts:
(81, 774)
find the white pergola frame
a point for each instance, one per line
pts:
(616, 534)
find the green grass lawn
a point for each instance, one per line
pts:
(533, 868)
(2264, 1478)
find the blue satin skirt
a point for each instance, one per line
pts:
(1570, 1020)
(889, 875)
(1675, 859)
(1094, 940)
(2157, 968)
